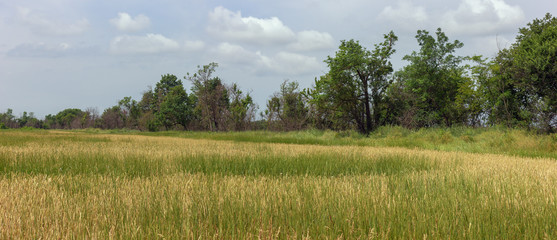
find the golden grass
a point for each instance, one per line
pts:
(464, 196)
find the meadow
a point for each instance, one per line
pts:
(395, 184)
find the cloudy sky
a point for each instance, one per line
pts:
(57, 54)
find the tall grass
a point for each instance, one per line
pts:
(497, 140)
(82, 185)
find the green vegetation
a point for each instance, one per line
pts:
(353, 89)
(286, 109)
(495, 140)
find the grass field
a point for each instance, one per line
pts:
(397, 184)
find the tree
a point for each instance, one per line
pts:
(520, 83)
(357, 81)
(321, 110)
(69, 118)
(147, 101)
(147, 120)
(164, 86)
(287, 110)
(505, 102)
(8, 119)
(124, 115)
(470, 101)
(91, 118)
(380, 69)
(211, 98)
(29, 120)
(434, 76)
(533, 61)
(113, 118)
(168, 106)
(131, 112)
(400, 106)
(242, 109)
(175, 109)
(535, 55)
(50, 122)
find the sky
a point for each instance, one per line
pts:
(58, 54)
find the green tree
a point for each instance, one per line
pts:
(166, 106)
(535, 55)
(113, 118)
(211, 98)
(287, 109)
(470, 101)
(356, 82)
(323, 113)
(534, 61)
(131, 111)
(520, 84)
(69, 118)
(50, 121)
(147, 120)
(147, 101)
(242, 109)
(165, 85)
(434, 75)
(29, 120)
(400, 106)
(380, 70)
(505, 101)
(8, 119)
(175, 109)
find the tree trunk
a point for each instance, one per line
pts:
(376, 110)
(366, 103)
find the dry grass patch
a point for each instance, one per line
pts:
(79, 185)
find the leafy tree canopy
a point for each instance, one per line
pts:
(434, 76)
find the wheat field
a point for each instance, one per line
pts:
(68, 185)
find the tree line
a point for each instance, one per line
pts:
(361, 91)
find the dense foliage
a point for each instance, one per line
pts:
(354, 88)
(361, 91)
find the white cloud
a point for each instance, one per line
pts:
(194, 45)
(232, 53)
(488, 46)
(49, 50)
(151, 43)
(232, 26)
(481, 17)
(124, 22)
(312, 40)
(43, 25)
(289, 63)
(283, 63)
(39, 50)
(405, 13)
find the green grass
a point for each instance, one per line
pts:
(96, 162)
(495, 140)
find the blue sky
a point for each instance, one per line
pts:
(57, 54)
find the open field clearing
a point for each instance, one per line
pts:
(462, 139)
(88, 185)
